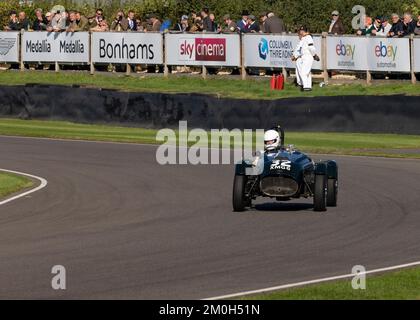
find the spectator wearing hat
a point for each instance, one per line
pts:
(207, 24)
(229, 25)
(397, 28)
(385, 28)
(273, 24)
(40, 23)
(253, 26)
(243, 23)
(336, 25)
(155, 23)
(182, 25)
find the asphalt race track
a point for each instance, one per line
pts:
(126, 227)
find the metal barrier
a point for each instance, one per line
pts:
(253, 50)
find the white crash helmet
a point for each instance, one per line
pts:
(271, 140)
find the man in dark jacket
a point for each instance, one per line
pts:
(40, 23)
(243, 24)
(397, 29)
(273, 24)
(13, 22)
(409, 25)
(253, 26)
(208, 24)
(336, 26)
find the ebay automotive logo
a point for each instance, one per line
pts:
(384, 51)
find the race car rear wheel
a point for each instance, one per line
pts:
(320, 196)
(332, 191)
(238, 197)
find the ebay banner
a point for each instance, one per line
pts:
(274, 51)
(347, 53)
(388, 54)
(203, 49)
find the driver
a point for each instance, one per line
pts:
(271, 141)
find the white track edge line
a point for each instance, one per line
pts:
(298, 284)
(42, 185)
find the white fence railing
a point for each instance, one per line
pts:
(206, 49)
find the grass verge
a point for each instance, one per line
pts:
(222, 87)
(399, 285)
(12, 183)
(388, 145)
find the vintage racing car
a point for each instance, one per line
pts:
(284, 174)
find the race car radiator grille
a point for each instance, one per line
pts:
(279, 186)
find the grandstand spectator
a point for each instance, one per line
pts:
(385, 28)
(376, 26)
(417, 29)
(182, 25)
(243, 23)
(13, 22)
(82, 22)
(101, 25)
(208, 25)
(132, 23)
(23, 22)
(367, 31)
(155, 23)
(229, 26)
(120, 23)
(253, 26)
(397, 28)
(263, 18)
(213, 20)
(59, 21)
(49, 16)
(409, 25)
(40, 23)
(99, 15)
(336, 25)
(72, 25)
(273, 24)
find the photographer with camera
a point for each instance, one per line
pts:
(120, 23)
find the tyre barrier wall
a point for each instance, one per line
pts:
(376, 114)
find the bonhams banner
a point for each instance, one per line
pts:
(203, 49)
(9, 46)
(55, 47)
(274, 51)
(417, 54)
(134, 47)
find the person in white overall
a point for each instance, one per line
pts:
(304, 56)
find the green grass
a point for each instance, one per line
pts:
(330, 143)
(222, 87)
(11, 183)
(400, 285)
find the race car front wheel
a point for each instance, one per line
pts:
(320, 196)
(238, 197)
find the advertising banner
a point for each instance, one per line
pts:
(130, 47)
(55, 46)
(9, 46)
(347, 53)
(274, 51)
(388, 54)
(203, 49)
(416, 54)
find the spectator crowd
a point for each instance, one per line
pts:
(204, 21)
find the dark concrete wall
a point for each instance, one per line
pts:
(389, 114)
